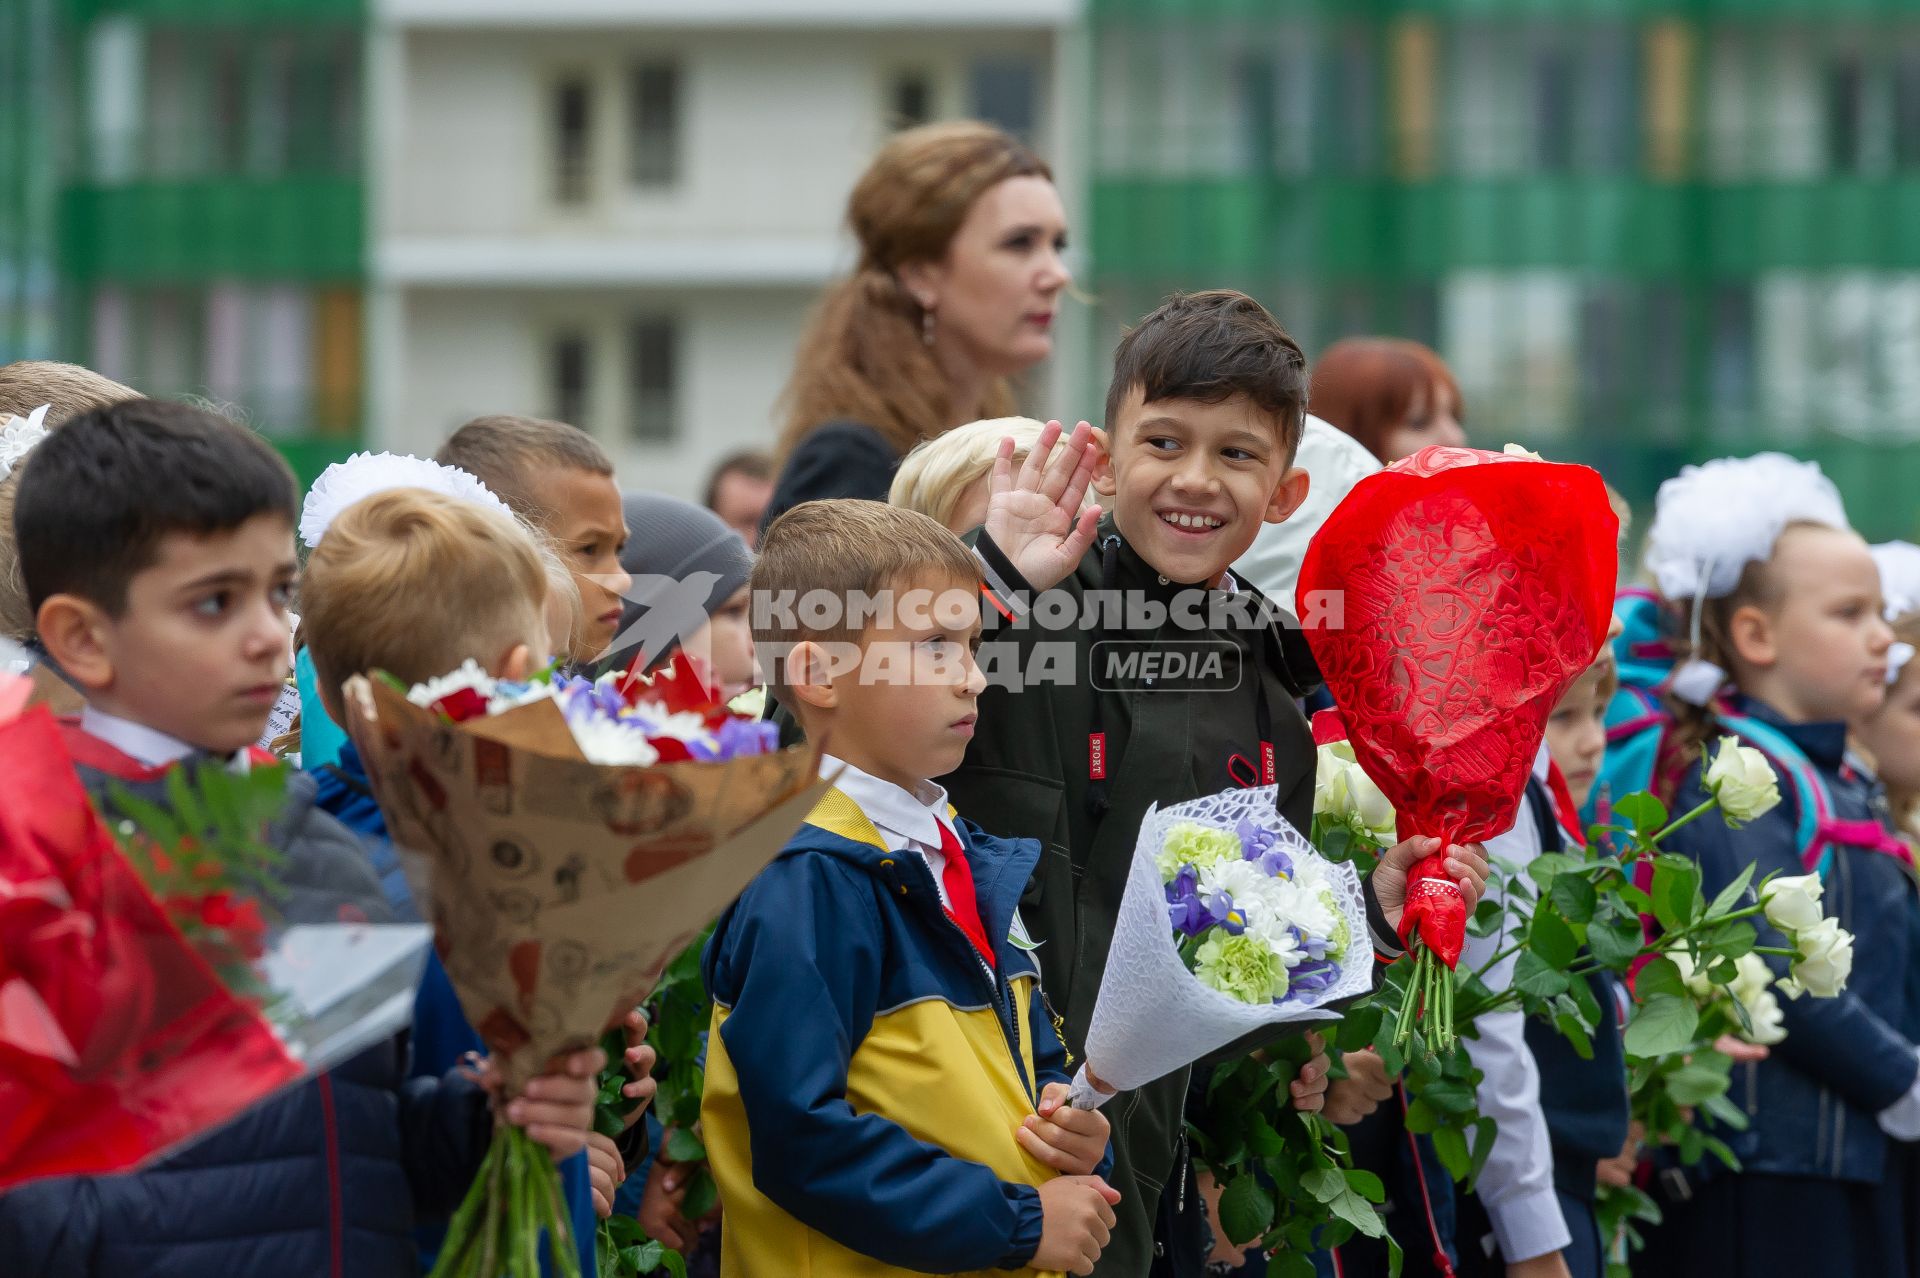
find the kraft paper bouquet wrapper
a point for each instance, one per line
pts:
(559, 889)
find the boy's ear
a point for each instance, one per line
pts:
(76, 634)
(516, 665)
(1750, 633)
(809, 675)
(1288, 494)
(1104, 481)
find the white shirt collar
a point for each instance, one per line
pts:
(149, 746)
(905, 819)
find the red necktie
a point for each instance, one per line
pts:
(962, 906)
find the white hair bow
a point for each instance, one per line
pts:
(18, 437)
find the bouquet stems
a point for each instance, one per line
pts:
(496, 1230)
(1429, 998)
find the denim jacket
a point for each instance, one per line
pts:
(1814, 1101)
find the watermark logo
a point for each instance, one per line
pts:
(1182, 665)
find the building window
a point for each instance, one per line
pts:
(653, 372)
(1846, 92)
(910, 100)
(572, 139)
(569, 372)
(1006, 92)
(653, 91)
(1906, 111)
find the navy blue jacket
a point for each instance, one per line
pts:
(867, 1070)
(327, 1178)
(1814, 1101)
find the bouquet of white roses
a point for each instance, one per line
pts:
(1230, 923)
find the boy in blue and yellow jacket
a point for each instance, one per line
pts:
(885, 1088)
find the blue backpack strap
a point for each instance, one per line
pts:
(1812, 801)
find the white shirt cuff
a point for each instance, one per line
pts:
(1529, 1225)
(1901, 1120)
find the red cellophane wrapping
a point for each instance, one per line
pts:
(1472, 589)
(117, 1040)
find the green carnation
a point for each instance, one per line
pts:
(1241, 967)
(1341, 936)
(1200, 846)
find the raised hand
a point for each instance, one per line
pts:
(1035, 517)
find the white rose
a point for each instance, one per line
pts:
(1742, 779)
(1769, 1022)
(1792, 904)
(1370, 804)
(1825, 962)
(1751, 978)
(1342, 789)
(1332, 784)
(1693, 978)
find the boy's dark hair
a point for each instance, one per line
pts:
(1209, 347)
(105, 488)
(503, 451)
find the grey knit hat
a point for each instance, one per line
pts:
(673, 547)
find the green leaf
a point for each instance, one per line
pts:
(1615, 941)
(1263, 1140)
(1730, 895)
(1642, 811)
(1575, 1033)
(1483, 1133)
(1367, 1185)
(684, 1147)
(1246, 1210)
(1534, 976)
(1697, 1082)
(1291, 1264)
(702, 1194)
(1659, 976)
(1731, 940)
(1546, 868)
(1725, 1112)
(1575, 898)
(1448, 1095)
(1361, 1026)
(1359, 1213)
(1421, 1118)
(1325, 1184)
(1660, 1025)
(1551, 938)
(1676, 891)
(1451, 1145)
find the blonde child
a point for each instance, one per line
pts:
(413, 583)
(1756, 558)
(946, 477)
(1891, 735)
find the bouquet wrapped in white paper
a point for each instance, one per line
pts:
(1231, 923)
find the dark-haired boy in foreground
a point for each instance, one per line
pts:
(1205, 410)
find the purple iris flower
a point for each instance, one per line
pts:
(586, 700)
(1189, 916)
(1315, 946)
(1225, 914)
(1312, 978)
(738, 738)
(1262, 846)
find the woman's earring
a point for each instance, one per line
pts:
(926, 325)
